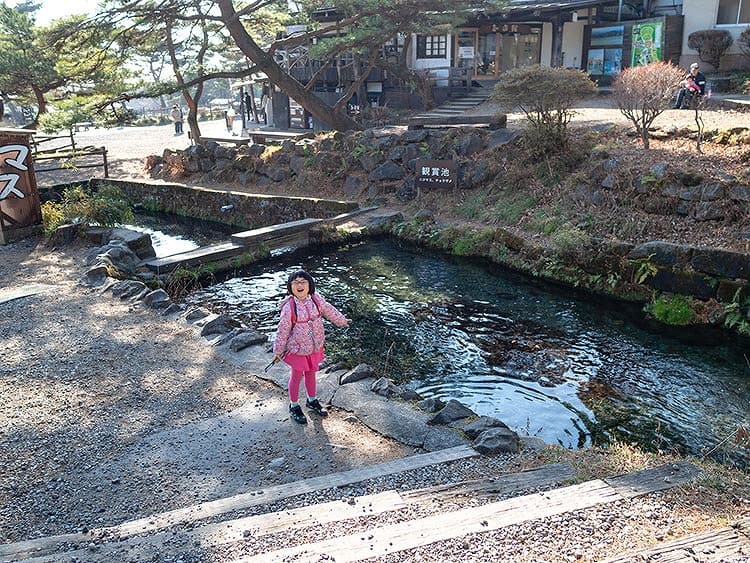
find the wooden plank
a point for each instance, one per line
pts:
(384, 540)
(11, 293)
(200, 255)
(726, 544)
(652, 480)
(393, 538)
(493, 122)
(257, 235)
(210, 509)
(543, 476)
(231, 531)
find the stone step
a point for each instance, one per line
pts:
(191, 515)
(210, 537)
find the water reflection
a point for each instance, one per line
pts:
(568, 370)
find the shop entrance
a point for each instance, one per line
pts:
(490, 50)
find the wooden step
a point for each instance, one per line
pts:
(210, 253)
(726, 544)
(493, 122)
(211, 536)
(196, 513)
(385, 540)
(271, 232)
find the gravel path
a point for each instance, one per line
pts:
(89, 384)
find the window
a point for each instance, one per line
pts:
(432, 46)
(732, 12)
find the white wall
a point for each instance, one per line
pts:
(421, 64)
(699, 15)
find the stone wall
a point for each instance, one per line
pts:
(232, 208)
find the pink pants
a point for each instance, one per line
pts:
(296, 378)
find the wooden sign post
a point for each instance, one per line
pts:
(20, 208)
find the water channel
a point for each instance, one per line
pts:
(566, 367)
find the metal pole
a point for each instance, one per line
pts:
(619, 11)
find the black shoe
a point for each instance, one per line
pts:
(316, 407)
(295, 411)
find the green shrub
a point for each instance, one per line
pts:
(106, 207)
(676, 310)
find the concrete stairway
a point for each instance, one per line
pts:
(457, 106)
(344, 527)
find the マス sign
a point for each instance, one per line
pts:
(433, 174)
(20, 209)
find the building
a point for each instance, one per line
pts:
(599, 36)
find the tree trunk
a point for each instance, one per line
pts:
(41, 104)
(317, 107)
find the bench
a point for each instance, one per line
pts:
(82, 125)
(493, 122)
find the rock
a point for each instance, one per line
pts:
(452, 412)
(126, 289)
(495, 441)
(387, 171)
(660, 252)
(739, 192)
(475, 428)
(353, 186)
(247, 338)
(121, 260)
(64, 234)
(470, 144)
(414, 136)
(96, 276)
(157, 299)
(362, 371)
(721, 263)
(138, 242)
(410, 395)
(385, 388)
(196, 314)
(708, 211)
(433, 404)
(407, 191)
(220, 325)
(501, 137)
(370, 161)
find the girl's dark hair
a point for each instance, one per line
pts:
(300, 274)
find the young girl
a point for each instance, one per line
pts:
(300, 337)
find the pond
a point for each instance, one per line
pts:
(172, 234)
(565, 367)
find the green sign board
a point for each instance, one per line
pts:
(647, 41)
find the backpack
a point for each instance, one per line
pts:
(294, 306)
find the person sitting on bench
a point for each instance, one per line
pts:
(692, 87)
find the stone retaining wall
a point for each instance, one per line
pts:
(248, 211)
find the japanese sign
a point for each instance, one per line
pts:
(436, 174)
(19, 197)
(647, 39)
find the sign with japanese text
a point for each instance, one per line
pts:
(436, 174)
(19, 196)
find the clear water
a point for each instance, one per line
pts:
(549, 363)
(171, 234)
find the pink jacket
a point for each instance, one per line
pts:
(308, 334)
